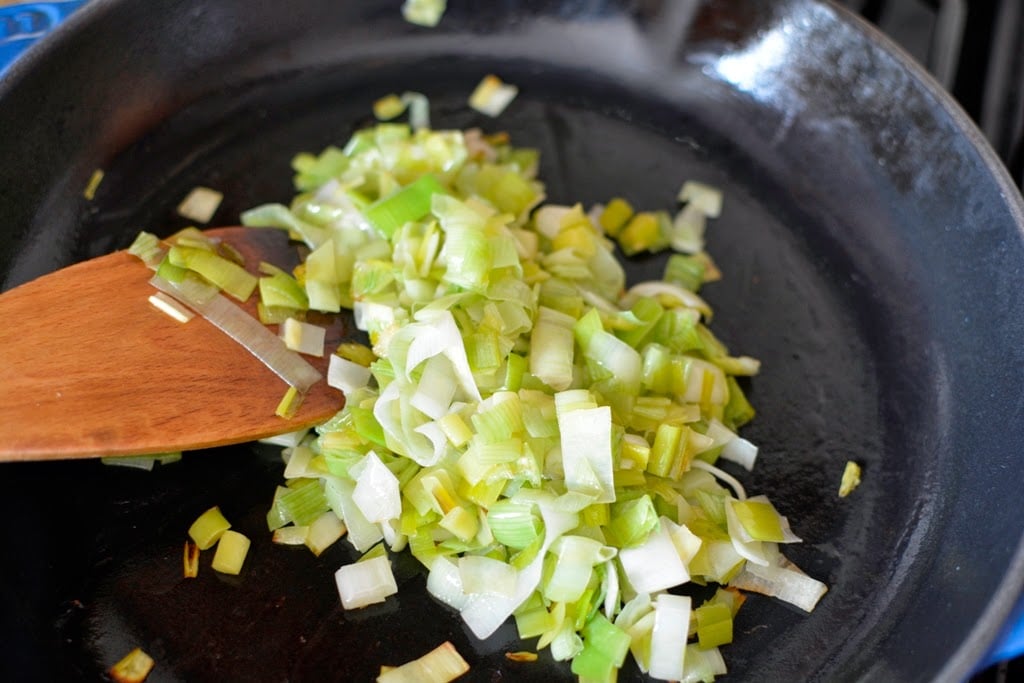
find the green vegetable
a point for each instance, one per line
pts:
(542, 440)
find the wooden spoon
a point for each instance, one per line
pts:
(88, 367)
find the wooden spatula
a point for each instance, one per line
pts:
(88, 367)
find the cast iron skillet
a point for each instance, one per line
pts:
(873, 259)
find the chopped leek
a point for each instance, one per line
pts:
(423, 12)
(200, 204)
(208, 528)
(134, 667)
(851, 479)
(544, 440)
(440, 665)
(492, 95)
(231, 551)
(365, 583)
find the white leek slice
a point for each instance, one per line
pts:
(248, 332)
(171, 307)
(200, 204)
(345, 375)
(426, 13)
(440, 336)
(654, 565)
(362, 533)
(481, 574)
(788, 585)
(376, 492)
(702, 196)
(586, 439)
(303, 337)
(672, 291)
(444, 582)
(366, 582)
(492, 96)
(668, 638)
(441, 665)
(551, 348)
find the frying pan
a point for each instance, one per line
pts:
(873, 259)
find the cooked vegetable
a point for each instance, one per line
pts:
(208, 528)
(94, 184)
(440, 665)
(232, 547)
(190, 560)
(545, 442)
(133, 668)
(200, 204)
(851, 479)
(492, 96)
(424, 12)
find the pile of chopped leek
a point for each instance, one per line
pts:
(542, 439)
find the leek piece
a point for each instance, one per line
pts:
(551, 349)
(738, 410)
(356, 352)
(654, 565)
(89, 193)
(714, 625)
(411, 203)
(668, 637)
(642, 233)
(190, 560)
(759, 519)
(291, 535)
(289, 404)
(281, 290)
(615, 215)
(200, 204)
(789, 585)
(248, 332)
(345, 375)
(324, 532)
(232, 549)
(304, 502)
(851, 479)
(146, 248)
(605, 647)
(227, 275)
(486, 575)
(365, 583)
(632, 521)
(441, 665)
(134, 667)
(376, 492)
(492, 96)
(423, 12)
(303, 337)
(208, 528)
(706, 198)
(171, 307)
(686, 271)
(514, 525)
(389, 107)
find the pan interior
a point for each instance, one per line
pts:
(825, 281)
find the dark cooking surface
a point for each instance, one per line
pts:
(832, 280)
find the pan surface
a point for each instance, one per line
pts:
(873, 260)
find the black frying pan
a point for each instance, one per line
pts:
(873, 256)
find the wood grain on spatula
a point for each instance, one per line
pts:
(89, 367)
